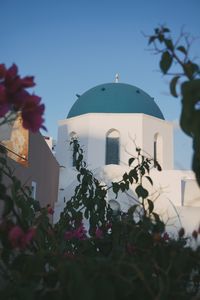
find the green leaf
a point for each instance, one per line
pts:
(165, 29)
(166, 62)
(157, 165)
(125, 177)
(79, 177)
(173, 84)
(8, 206)
(131, 160)
(182, 49)
(169, 44)
(115, 187)
(141, 192)
(133, 174)
(122, 187)
(151, 205)
(149, 179)
(151, 39)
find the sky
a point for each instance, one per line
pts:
(72, 46)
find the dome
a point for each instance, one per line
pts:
(115, 98)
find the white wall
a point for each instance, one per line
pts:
(134, 129)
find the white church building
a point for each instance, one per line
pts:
(110, 120)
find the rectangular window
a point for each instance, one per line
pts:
(33, 189)
(112, 151)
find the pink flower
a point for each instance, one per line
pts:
(32, 112)
(165, 236)
(98, 233)
(50, 211)
(2, 71)
(15, 236)
(69, 235)
(78, 233)
(14, 97)
(31, 233)
(19, 239)
(109, 225)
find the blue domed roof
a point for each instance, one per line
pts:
(115, 98)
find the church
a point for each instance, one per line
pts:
(110, 120)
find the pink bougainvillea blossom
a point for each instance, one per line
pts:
(18, 238)
(165, 236)
(14, 97)
(98, 233)
(50, 210)
(30, 234)
(15, 236)
(69, 235)
(78, 233)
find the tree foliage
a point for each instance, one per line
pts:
(176, 55)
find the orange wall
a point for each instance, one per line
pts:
(41, 167)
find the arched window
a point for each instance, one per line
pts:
(112, 147)
(158, 148)
(73, 136)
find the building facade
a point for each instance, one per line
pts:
(110, 121)
(32, 162)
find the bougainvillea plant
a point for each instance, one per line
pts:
(15, 98)
(90, 253)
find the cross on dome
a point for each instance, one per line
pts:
(116, 78)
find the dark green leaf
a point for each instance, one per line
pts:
(173, 84)
(125, 176)
(115, 187)
(131, 160)
(166, 62)
(151, 39)
(149, 179)
(8, 206)
(133, 173)
(151, 205)
(182, 49)
(169, 44)
(165, 29)
(157, 166)
(141, 192)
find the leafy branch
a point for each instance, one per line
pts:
(177, 54)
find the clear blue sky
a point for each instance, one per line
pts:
(71, 46)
